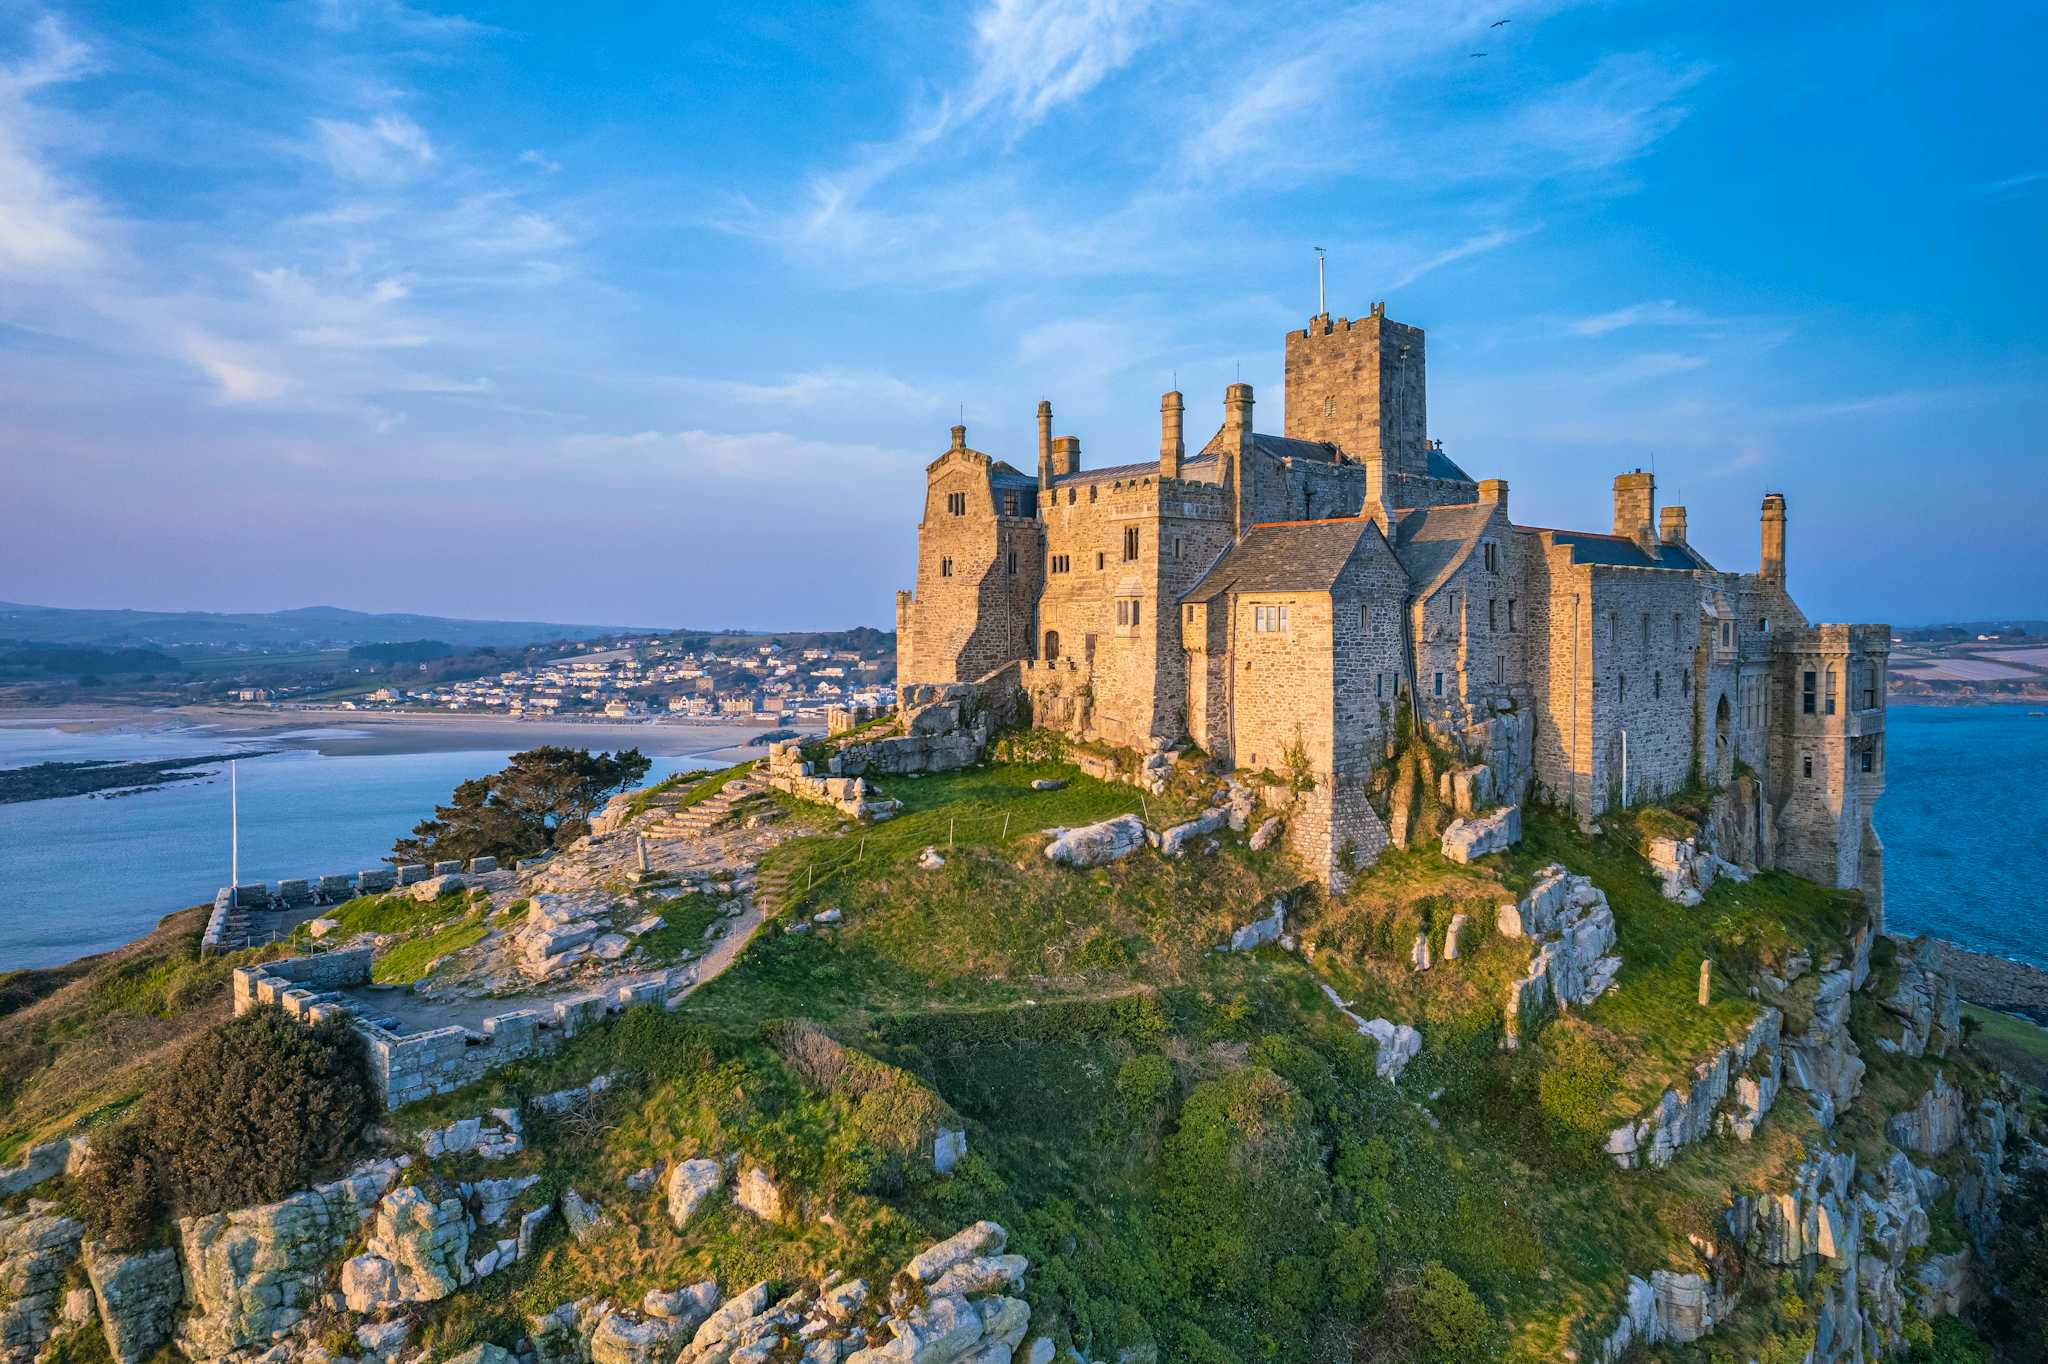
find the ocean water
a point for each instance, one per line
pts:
(1964, 823)
(84, 874)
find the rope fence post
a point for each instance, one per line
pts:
(951, 820)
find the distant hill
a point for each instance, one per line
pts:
(310, 627)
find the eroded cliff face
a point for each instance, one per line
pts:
(1875, 1229)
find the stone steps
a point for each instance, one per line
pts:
(774, 888)
(706, 815)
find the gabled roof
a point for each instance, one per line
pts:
(1004, 474)
(1284, 556)
(1619, 551)
(1442, 466)
(1431, 542)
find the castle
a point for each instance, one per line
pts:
(1274, 600)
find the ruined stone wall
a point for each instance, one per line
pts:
(978, 576)
(320, 973)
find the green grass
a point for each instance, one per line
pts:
(416, 958)
(2020, 1035)
(682, 928)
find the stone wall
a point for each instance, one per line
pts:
(227, 929)
(980, 570)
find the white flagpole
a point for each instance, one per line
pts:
(234, 828)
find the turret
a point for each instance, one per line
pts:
(1772, 567)
(1044, 443)
(959, 438)
(1172, 449)
(1635, 503)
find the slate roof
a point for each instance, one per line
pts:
(1592, 547)
(1431, 542)
(1150, 466)
(1441, 466)
(1284, 556)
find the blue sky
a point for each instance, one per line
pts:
(654, 314)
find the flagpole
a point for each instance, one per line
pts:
(234, 829)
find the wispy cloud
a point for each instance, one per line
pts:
(822, 388)
(1661, 312)
(771, 457)
(47, 223)
(1464, 250)
(2010, 183)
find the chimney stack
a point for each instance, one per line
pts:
(1494, 490)
(1044, 444)
(1671, 525)
(1635, 507)
(1773, 522)
(1066, 455)
(1171, 448)
(1237, 445)
(959, 438)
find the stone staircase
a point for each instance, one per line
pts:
(706, 815)
(774, 888)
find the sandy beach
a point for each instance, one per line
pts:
(339, 733)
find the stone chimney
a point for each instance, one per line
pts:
(1044, 443)
(1494, 490)
(1171, 448)
(1671, 525)
(1237, 446)
(959, 438)
(1635, 507)
(1773, 521)
(1066, 455)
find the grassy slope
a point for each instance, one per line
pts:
(1011, 997)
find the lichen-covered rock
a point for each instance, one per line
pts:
(138, 1297)
(1474, 836)
(758, 1194)
(43, 1161)
(688, 1306)
(253, 1272)
(1823, 1061)
(689, 1184)
(1925, 1003)
(1095, 845)
(1667, 1306)
(620, 1339)
(1266, 833)
(425, 1241)
(1261, 931)
(1683, 1117)
(1568, 919)
(1174, 841)
(583, 1216)
(983, 1238)
(1932, 1125)
(37, 1246)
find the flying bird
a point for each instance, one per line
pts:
(1479, 54)
(1498, 22)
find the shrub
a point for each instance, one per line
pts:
(1143, 1082)
(1454, 1322)
(1355, 1271)
(254, 1108)
(1577, 1081)
(119, 1194)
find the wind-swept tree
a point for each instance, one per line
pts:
(543, 798)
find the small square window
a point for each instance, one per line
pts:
(945, 568)
(1806, 764)
(1869, 760)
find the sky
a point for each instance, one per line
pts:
(653, 315)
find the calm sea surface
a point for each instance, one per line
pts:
(1964, 823)
(82, 874)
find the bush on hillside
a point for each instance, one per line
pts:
(248, 1112)
(1454, 1322)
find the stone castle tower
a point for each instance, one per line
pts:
(1275, 599)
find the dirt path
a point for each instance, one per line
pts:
(739, 931)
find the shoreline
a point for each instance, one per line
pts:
(2010, 987)
(340, 733)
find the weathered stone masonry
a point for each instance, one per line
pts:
(1205, 598)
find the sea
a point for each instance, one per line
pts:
(1964, 821)
(86, 873)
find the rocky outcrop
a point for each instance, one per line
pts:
(1667, 1306)
(37, 1246)
(43, 1161)
(1398, 1043)
(1259, 932)
(1823, 1060)
(1567, 919)
(419, 1252)
(1749, 1071)
(689, 1184)
(1474, 836)
(1932, 1125)
(137, 1296)
(252, 1273)
(1737, 828)
(758, 1194)
(1686, 871)
(1174, 842)
(1095, 845)
(1925, 1004)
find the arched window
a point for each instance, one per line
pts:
(1052, 645)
